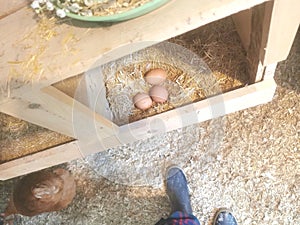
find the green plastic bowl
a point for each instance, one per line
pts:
(130, 14)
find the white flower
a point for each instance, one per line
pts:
(35, 4)
(87, 13)
(41, 1)
(61, 13)
(75, 7)
(89, 2)
(50, 6)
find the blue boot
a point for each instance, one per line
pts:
(224, 217)
(177, 190)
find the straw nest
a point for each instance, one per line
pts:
(199, 64)
(188, 80)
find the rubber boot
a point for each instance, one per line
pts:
(177, 190)
(224, 217)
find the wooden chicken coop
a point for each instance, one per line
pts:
(266, 28)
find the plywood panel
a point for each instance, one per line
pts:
(77, 45)
(242, 21)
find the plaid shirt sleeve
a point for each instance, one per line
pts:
(179, 218)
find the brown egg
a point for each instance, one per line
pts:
(159, 94)
(142, 101)
(156, 76)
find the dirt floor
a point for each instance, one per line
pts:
(247, 161)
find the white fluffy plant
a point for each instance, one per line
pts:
(41, 5)
(80, 7)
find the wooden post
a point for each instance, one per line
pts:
(283, 28)
(274, 27)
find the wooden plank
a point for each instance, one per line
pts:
(90, 124)
(80, 46)
(11, 6)
(37, 112)
(213, 107)
(242, 21)
(54, 110)
(220, 105)
(41, 160)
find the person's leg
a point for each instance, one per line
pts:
(224, 217)
(177, 190)
(178, 193)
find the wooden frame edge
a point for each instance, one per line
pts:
(233, 101)
(40, 160)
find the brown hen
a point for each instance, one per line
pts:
(40, 192)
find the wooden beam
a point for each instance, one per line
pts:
(54, 110)
(207, 109)
(40, 160)
(37, 112)
(85, 122)
(270, 71)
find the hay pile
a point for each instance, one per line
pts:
(218, 45)
(19, 138)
